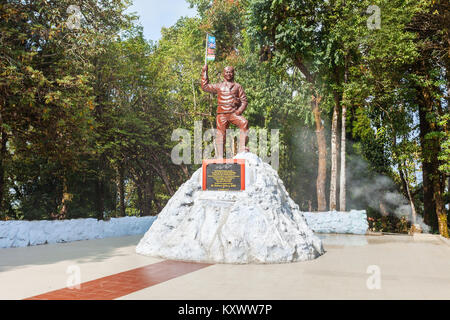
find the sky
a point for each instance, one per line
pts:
(155, 14)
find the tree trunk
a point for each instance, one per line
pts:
(121, 187)
(439, 179)
(3, 150)
(185, 170)
(342, 179)
(404, 178)
(147, 197)
(163, 174)
(343, 172)
(100, 198)
(152, 197)
(139, 200)
(429, 202)
(320, 135)
(157, 204)
(433, 181)
(334, 160)
(440, 208)
(438, 182)
(322, 148)
(66, 198)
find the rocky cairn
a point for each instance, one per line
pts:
(259, 225)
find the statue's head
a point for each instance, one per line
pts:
(228, 73)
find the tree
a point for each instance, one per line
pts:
(298, 33)
(41, 52)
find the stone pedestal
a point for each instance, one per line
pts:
(261, 224)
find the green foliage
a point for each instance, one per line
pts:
(87, 114)
(388, 224)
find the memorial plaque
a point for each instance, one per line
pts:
(224, 174)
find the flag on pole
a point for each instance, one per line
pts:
(210, 48)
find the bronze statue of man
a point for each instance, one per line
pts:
(231, 103)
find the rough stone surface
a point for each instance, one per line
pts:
(354, 222)
(259, 225)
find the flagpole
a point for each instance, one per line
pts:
(206, 48)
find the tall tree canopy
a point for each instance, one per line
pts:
(88, 105)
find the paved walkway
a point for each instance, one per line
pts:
(353, 267)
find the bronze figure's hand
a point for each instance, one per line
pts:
(236, 102)
(205, 67)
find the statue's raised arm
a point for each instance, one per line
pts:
(206, 86)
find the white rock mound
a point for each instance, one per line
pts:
(259, 225)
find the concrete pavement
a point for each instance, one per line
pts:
(353, 267)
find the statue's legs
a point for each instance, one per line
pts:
(242, 124)
(223, 121)
(222, 124)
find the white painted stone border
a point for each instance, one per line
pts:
(19, 233)
(353, 222)
(16, 233)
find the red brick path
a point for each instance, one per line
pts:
(123, 283)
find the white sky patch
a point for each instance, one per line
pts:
(153, 15)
